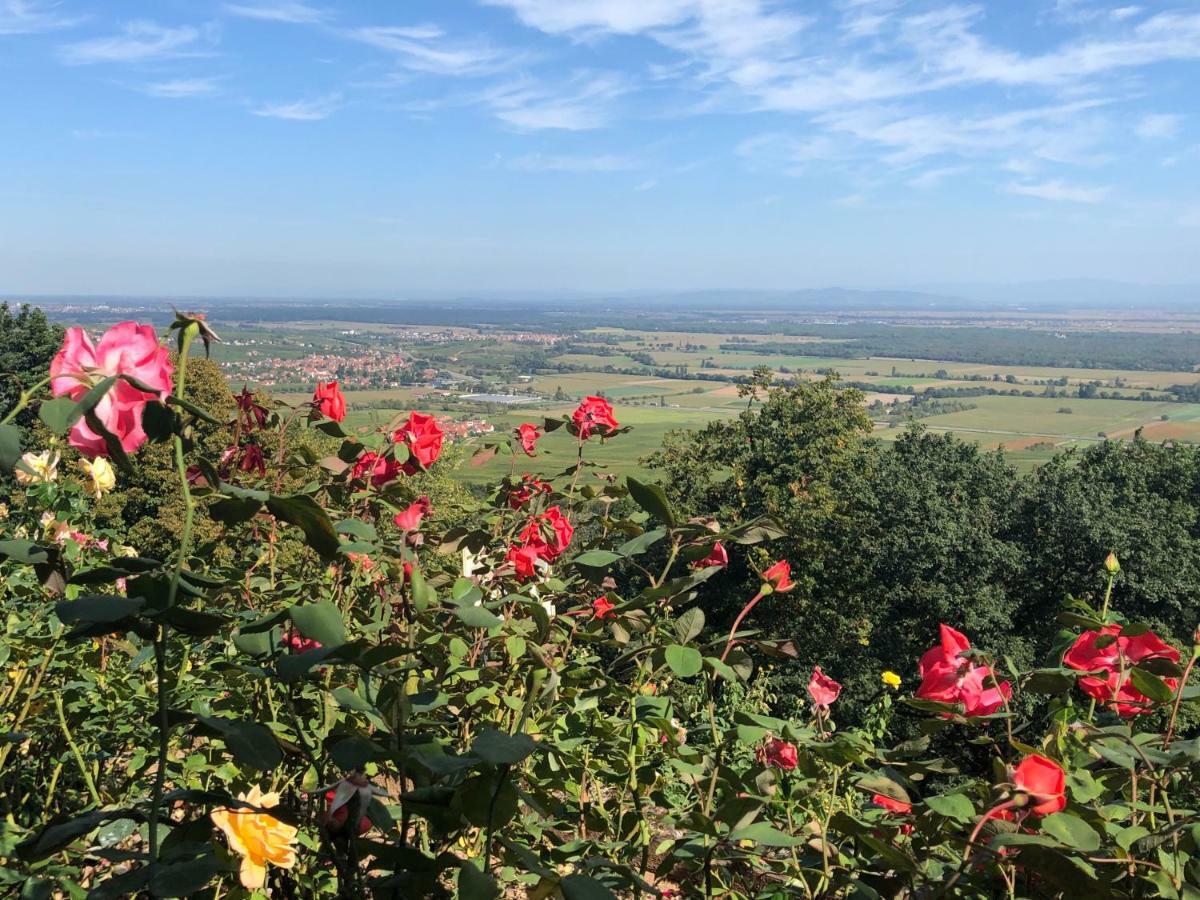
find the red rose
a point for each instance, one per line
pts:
(823, 689)
(526, 491)
(379, 469)
(602, 608)
(1114, 686)
(899, 807)
(125, 349)
(1044, 781)
(525, 560)
(552, 530)
(329, 401)
(297, 643)
(779, 754)
(410, 519)
(949, 678)
(717, 556)
(338, 799)
(423, 438)
(528, 435)
(779, 576)
(595, 414)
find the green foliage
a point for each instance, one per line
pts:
(404, 713)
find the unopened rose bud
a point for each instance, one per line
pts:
(1111, 564)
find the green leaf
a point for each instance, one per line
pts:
(475, 884)
(357, 528)
(319, 621)
(952, 806)
(59, 834)
(643, 542)
(183, 879)
(583, 887)
(1072, 831)
(477, 617)
(98, 608)
(684, 661)
(1151, 685)
(765, 834)
(234, 510)
(653, 499)
(26, 552)
(689, 625)
(10, 447)
(498, 748)
(250, 743)
(302, 511)
(58, 414)
(597, 559)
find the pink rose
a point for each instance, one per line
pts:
(410, 519)
(823, 689)
(125, 349)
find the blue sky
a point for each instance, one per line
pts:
(378, 148)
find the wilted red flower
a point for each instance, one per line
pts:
(717, 556)
(595, 414)
(524, 560)
(1115, 660)
(779, 576)
(253, 414)
(253, 460)
(423, 437)
(602, 608)
(949, 678)
(527, 490)
(528, 434)
(823, 689)
(410, 518)
(898, 807)
(778, 753)
(329, 401)
(1044, 781)
(550, 531)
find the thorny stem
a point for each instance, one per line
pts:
(87, 775)
(188, 335)
(1179, 696)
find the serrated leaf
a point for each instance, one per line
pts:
(302, 511)
(1072, 831)
(952, 806)
(321, 621)
(653, 499)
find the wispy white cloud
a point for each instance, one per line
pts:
(33, 16)
(648, 185)
(1058, 190)
(183, 88)
(1158, 126)
(309, 110)
(141, 41)
(599, 16)
(427, 49)
(279, 11)
(583, 102)
(537, 162)
(931, 178)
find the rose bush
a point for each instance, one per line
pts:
(351, 699)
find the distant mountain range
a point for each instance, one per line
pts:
(1065, 294)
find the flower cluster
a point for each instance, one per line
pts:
(1110, 657)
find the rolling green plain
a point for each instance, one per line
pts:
(1030, 429)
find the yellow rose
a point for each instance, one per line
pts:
(257, 837)
(891, 679)
(102, 474)
(36, 467)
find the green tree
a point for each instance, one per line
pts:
(28, 341)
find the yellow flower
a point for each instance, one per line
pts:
(102, 474)
(891, 679)
(257, 837)
(37, 467)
